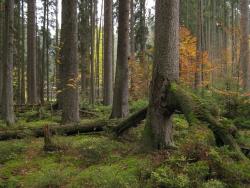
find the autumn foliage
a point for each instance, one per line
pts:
(140, 72)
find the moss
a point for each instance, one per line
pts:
(50, 174)
(213, 184)
(166, 177)
(11, 150)
(125, 173)
(135, 106)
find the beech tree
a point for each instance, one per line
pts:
(70, 98)
(7, 95)
(120, 98)
(158, 131)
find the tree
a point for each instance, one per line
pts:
(244, 44)
(7, 96)
(84, 37)
(31, 53)
(120, 98)
(158, 131)
(92, 64)
(1, 52)
(70, 98)
(108, 82)
(23, 58)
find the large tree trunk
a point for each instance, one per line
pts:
(70, 101)
(7, 97)
(244, 44)
(108, 82)
(120, 99)
(31, 54)
(1, 52)
(158, 131)
(23, 59)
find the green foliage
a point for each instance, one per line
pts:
(213, 184)
(51, 174)
(224, 167)
(197, 172)
(135, 106)
(197, 143)
(123, 174)
(166, 177)
(242, 122)
(11, 150)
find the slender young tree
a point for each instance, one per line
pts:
(108, 82)
(7, 96)
(158, 131)
(132, 31)
(120, 107)
(31, 53)
(244, 44)
(92, 63)
(69, 32)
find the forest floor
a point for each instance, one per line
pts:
(102, 160)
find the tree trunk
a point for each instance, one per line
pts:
(108, 82)
(23, 87)
(92, 65)
(31, 54)
(132, 31)
(69, 35)
(7, 96)
(1, 52)
(158, 131)
(244, 44)
(120, 99)
(199, 50)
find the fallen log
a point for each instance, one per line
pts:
(67, 130)
(131, 121)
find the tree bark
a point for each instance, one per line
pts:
(244, 44)
(23, 86)
(108, 82)
(158, 130)
(132, 31)
(7, 96)
(1, 52)
(31, 54)
(70, 102)
(120, 98)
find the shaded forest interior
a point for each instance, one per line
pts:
(124, 93)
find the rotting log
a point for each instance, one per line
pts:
(131, 121)
(67, 130)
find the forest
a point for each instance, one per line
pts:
(124, 94)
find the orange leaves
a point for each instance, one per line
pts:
(192, 61)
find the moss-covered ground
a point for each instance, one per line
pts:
(101, 160)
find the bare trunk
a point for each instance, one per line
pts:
(158, 131)
(108, 81)
(244, 44)
(7, 101)
(23, 85)
(31, 54)
(120, 99)
(70, 101)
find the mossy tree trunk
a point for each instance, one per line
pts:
(158, 130)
